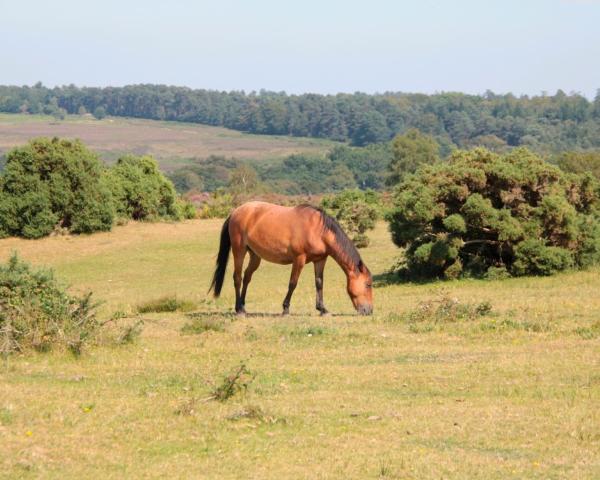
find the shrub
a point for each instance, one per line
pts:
(141, 191)
(356, 211)
(481, 211)
(220, 205)
(411, 150)
(37, 312)
(53, 182)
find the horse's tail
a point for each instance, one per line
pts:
(222, 259)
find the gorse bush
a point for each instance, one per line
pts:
(50, 183)
(141, 192)
(356, 211)
(60, 184)
(481, 213)
(37, 312)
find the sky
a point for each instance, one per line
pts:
(321, 46)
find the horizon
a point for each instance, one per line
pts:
(523, 48)
(358, 92)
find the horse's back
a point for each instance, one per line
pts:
(277, 233)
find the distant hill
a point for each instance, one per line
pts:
(546, 123)
(172, 143)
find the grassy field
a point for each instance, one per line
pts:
(511, 394)
(172, 143)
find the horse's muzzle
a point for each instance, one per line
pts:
(365, 309)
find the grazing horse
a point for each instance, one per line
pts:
(289, 235)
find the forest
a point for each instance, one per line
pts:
(544, 123)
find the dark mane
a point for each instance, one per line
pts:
(347, 248)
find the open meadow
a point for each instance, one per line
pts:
(171, 143)
(511, 392)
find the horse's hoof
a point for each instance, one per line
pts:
(325, 313)
(285, 313)
(241, 313)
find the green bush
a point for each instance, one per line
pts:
(37, 312)
(140, 190)
(220, 205)
(356, 211)
(49, 183)
(481, 212)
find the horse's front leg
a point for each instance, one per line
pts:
(319, 268)
(297, 267)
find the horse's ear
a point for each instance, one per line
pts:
(361, 266)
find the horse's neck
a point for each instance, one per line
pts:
(340, 257)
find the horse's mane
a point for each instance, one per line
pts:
(347, 248)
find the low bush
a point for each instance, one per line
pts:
(480, 214)
(140, 191)
(49, 183)
(37, 312)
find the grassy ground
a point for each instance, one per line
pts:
(512, 394)
(172, 143)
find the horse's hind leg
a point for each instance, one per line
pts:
(250, 269)
(297, 267)
(239, 252)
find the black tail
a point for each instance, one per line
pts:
(222, 259)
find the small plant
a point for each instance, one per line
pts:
(166, 304)
(130, 333)
(236, 382)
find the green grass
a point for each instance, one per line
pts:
(173, 144)
(513, 393)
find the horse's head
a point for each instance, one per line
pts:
(360, 289)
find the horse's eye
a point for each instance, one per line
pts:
(369, 285)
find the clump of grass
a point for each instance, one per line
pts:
(187, 407)
(237, 381)
(589, 333)
(166, 304)
(534, 326)
(130, 333)
(446, 310)
(254, 412)
(203, 324)
(37, 312)
(6, 416)
(305, 330)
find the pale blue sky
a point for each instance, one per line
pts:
(324, 46)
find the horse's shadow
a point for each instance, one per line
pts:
(233, 316)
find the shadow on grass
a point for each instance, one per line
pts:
(395, 278)
(233, 316)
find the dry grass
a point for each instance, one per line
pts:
(484, 397)
(170, 142)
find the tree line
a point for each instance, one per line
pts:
(544, 123)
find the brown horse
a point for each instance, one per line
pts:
(289, 235)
